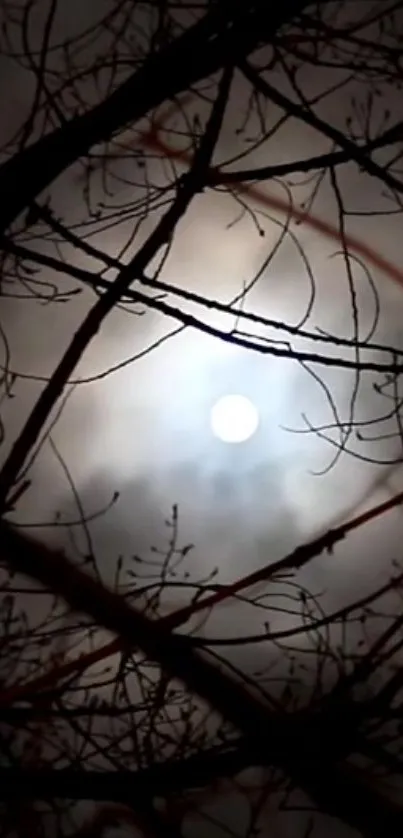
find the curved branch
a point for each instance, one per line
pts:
(189, 185)
(201, 51)
(353, 151)
(284, 741)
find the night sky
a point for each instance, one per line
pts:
(142, 428)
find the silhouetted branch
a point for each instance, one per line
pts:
(188, 187)
(202, 50)
(285, 741)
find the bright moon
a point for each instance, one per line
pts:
(234, 419)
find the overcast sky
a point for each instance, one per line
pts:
(144, 430)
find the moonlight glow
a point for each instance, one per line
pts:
(234, 419)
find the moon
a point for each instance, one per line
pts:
(234, 419)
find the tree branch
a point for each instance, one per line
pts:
(201, 51)
(218, 177)
(188, 186)
(353, 151)
(303, 747)
(124, 787)
(263, 348)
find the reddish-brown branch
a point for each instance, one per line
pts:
(154, 141)
(299, 557)
(191, 184)
(283, 738)
(197, 54)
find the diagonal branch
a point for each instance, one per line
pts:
(237, 339)
(124, 787)
(305, 749)
(188, 186)
(201, 51)
(298, 558)
(97, 282)
(319, 161)
(353, 151)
